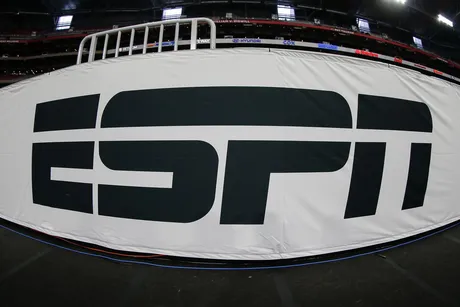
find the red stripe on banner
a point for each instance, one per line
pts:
(437, 72)
(398, 60)
(419, 66)
(368, 53)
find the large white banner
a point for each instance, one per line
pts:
(231, 154)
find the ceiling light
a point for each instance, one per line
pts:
(445, 20)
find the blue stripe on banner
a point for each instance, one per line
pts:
(327, 46)
(165, 44)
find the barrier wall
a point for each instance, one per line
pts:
(276, 43)
(231, 153)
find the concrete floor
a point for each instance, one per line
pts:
(424, 273)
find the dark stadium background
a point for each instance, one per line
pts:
(31, 45)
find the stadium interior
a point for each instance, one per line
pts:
(41, 36)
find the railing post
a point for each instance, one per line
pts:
(104, 51)
(176, 37)
(92, 48)
(160, 39)
(146, 36)
(80, 50)
(193, 34)
(117, 47)
(212, 38)
(131, 41)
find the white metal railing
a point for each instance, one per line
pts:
(146, 26)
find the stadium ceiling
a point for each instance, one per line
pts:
(416, 16)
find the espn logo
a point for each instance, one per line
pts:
(194, 163)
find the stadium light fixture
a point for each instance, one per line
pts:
(418, 42)
(363, 25)
(285, 12)
(400, 1)
(445, 20)
(172, 13)
(64, 22)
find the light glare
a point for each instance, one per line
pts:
(445, 20)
